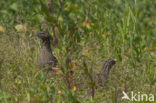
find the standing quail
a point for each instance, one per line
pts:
(46, 57)
(102, 76)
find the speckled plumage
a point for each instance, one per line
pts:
(104, 73)
(46, 57)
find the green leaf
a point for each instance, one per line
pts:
(90, 84)
(14, 6)
(44, 8)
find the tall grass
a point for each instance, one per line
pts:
(87, 31)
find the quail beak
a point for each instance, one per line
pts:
(37, 34)
(115, 60)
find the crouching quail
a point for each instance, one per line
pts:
(46, 57)
(102, 76)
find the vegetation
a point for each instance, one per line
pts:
(85, 34)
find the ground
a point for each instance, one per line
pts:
(87, 32)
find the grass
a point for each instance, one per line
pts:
(90, 31)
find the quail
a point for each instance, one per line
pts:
(46, 57)
(102, 76)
